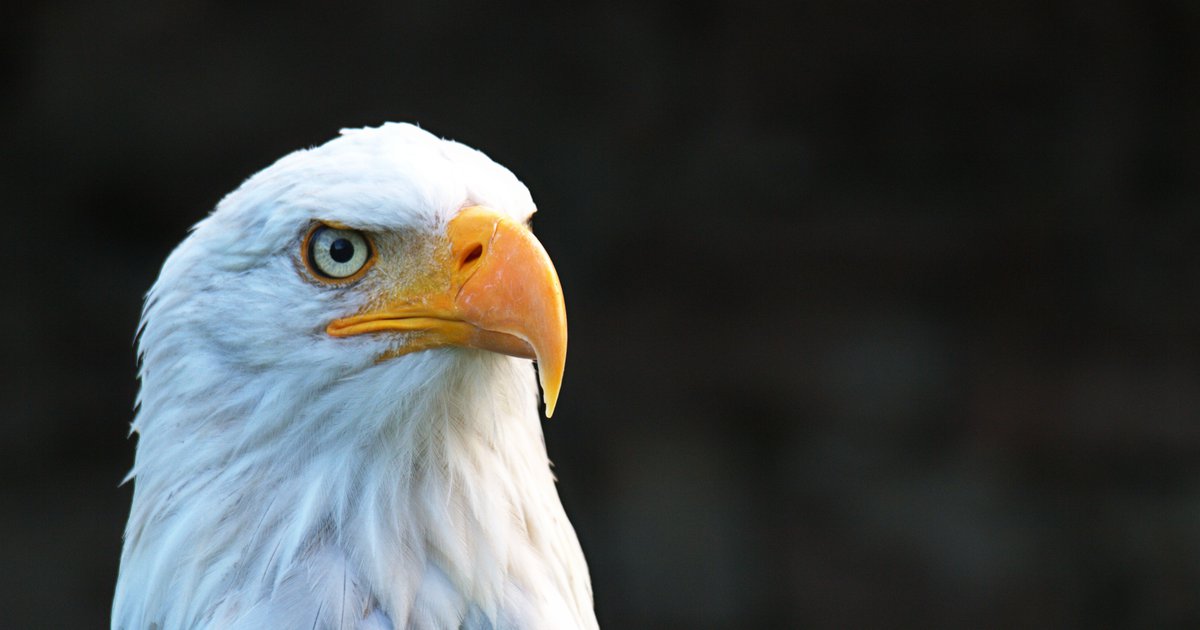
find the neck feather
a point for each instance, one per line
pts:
(422, 499)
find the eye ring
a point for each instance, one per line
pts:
(334, 254)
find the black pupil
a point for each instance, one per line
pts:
(341, 250)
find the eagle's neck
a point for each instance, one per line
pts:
(429, 503)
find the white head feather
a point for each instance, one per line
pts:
(284, 477)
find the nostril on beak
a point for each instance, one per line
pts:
(472, 254)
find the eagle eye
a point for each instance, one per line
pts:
(337, 254)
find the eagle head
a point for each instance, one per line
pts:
(338, 416)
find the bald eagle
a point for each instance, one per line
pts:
(338, 417)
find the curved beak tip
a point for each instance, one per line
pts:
(551, 382)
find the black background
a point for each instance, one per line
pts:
(882, 313)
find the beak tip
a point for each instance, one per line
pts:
(551, 385)
(549, 398)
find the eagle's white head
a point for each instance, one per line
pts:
(338, 421)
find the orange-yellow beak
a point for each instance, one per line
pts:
(496, 290)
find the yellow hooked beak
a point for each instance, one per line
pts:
(497, 290)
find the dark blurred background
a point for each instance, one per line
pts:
(882, 313)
